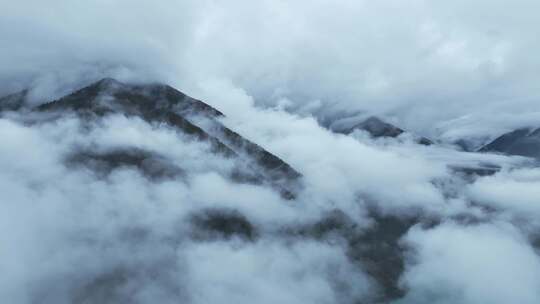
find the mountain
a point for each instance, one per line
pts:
(13, 102)
(377, 128)
(158, 104)
(378, 249)
(522, 142)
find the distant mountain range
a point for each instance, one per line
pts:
(377, 128)
(522, 142)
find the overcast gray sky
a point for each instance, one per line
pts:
(441, 68)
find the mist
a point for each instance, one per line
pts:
(372, 220)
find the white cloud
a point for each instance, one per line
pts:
(489, 263)
(267, 271)
(515, 193)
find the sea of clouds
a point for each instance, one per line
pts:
(281, 72)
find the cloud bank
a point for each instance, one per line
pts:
(377, 221)
(72, 235)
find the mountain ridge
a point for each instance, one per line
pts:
(159, 103)
(377, 128)
(522, 142)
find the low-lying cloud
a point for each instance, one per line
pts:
(71, 235)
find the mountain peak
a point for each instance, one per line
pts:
(108, 82)
(111, 95)
(162, 104)
(378, 128)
